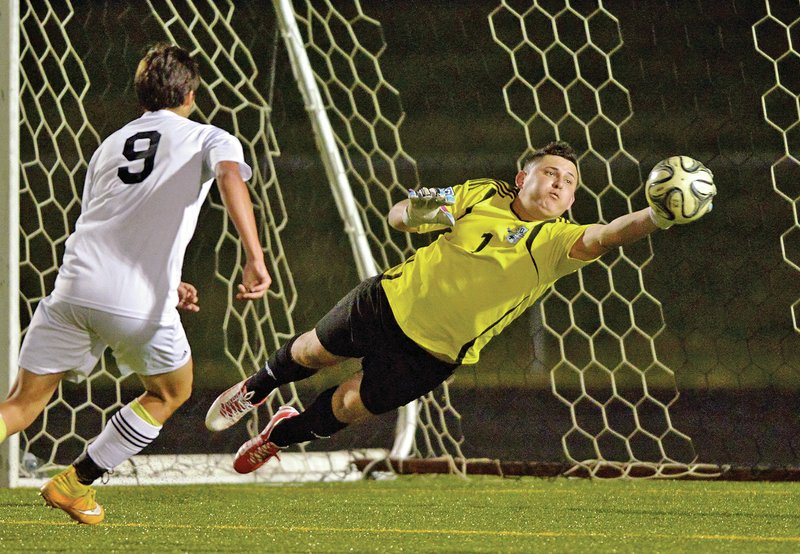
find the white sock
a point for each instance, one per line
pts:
(125, 435)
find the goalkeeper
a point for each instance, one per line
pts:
(417, 322)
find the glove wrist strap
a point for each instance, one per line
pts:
(406, 220)
(657, 221)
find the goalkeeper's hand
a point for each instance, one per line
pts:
(662, 222)
(429, 206)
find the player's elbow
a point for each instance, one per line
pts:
(226, 173)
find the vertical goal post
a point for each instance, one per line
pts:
(337, 178)
(9, 218)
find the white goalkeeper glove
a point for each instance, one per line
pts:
(429, 206)
(662, 222)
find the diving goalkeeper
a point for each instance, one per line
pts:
(417, 322)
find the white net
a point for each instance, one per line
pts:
(589, 379)
(776, 38)
(61, 75)
(603, 321)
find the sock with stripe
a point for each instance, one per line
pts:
(126, 434)
(3, 429)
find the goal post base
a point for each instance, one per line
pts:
(197, 469)
(601, 470)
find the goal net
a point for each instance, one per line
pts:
(436, 93)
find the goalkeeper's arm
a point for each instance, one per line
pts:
(425, 206)
(626, 229)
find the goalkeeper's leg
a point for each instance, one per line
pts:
(394, 372)
(299, 358)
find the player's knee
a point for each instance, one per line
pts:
(309, 352)
(181, 396)
(178, 390)
(173, 398)
(347, 404)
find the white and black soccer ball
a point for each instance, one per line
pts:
(680, 189)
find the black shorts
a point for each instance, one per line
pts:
(396, 369)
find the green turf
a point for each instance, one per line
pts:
(420, 514)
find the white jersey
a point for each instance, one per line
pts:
(144, 188)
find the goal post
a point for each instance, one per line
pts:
(337, 178)
(9, 222)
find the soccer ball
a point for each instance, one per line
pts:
(680, 189)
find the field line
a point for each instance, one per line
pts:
(457, 532)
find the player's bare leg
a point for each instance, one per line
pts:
(347, 404)
(308, 351)
(27, 398)
(167, 392)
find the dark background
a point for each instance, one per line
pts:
(696, 86)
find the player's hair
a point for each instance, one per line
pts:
(166, 74)
(558, 148)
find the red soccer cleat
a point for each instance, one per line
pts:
(257, 451)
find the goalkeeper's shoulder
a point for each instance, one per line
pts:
(482, 186)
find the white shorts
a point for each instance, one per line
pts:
(64, 337)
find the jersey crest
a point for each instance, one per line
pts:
(514, 235)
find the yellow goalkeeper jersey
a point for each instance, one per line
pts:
(452, 296)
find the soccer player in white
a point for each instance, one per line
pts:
(119, 285)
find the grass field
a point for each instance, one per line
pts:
(420, 514)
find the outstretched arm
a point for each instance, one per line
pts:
(626, 229)
(256, 279)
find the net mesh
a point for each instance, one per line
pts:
(592, 375)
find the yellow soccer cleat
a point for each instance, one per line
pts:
(65, 492)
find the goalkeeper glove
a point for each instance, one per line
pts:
(429, 206)
(662, 222)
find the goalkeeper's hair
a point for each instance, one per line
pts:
(557, 148)
(166, 74)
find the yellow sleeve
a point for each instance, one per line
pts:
(468, 194)
(563, 237)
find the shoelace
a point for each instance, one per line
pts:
(262, 451)
(237, 405)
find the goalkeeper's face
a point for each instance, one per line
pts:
(546, 188)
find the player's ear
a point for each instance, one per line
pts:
(520, 178)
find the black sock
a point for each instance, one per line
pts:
(316, 422)
(86, 470)
(280, 369)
